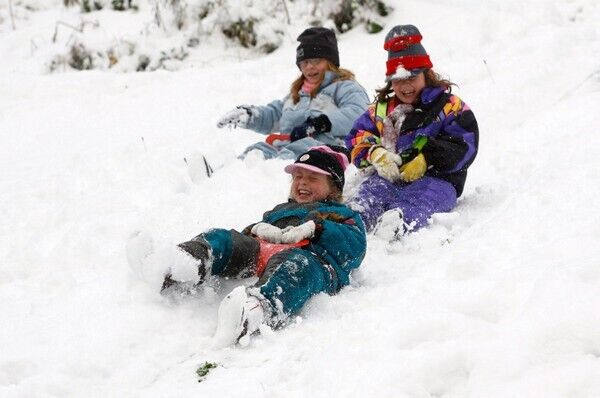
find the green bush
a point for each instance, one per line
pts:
(351, 13)
(242, 31)
(204, 369)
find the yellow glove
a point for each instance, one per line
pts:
(386, 163)
(414, 169)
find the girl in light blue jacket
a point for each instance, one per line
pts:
(322, 104)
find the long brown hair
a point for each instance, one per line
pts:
(432, 79)
(343, 74)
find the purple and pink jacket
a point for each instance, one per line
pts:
(452, 142)
(447, 122)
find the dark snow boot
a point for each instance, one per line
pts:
(240, 315)
(174, 288)
(198, 249)
(168, 284)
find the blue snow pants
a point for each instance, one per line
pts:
(287, 151)
(291, 276)
(417, 200)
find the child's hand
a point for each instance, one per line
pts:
(238, 117)
(386, 163)
(267, 232)
(414, 169)
(312, 126)
(296, 234)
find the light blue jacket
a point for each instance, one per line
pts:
(342, 101)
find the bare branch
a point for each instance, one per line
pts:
(75, 28)
(489, 71)
(287, 13)
(12, 17)
(78, 29)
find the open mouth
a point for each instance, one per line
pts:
(304, 195)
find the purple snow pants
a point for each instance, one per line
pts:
(417, 200)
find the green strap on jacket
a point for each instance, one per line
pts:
(409, 154)
(420, 142)
(381, 110)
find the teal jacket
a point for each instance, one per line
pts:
(340, 237)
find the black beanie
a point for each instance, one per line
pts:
(318, 43)
(331, 160)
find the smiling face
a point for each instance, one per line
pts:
(409, 90)
(308, 186)
(314, 69)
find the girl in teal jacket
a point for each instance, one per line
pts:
(303, 247)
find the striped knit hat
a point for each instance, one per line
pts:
(406, 55)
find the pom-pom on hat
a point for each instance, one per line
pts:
(406, 55)
(330, 160)
(318, 43)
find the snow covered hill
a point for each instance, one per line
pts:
(498, 299)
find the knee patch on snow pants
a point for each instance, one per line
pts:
(294, 276)
(233, 254)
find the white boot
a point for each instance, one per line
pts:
(182, 276)
(391, 225)
(240, 315)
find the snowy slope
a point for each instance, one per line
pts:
(498, 299)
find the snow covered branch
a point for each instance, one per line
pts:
(12, 17)
(168, 30)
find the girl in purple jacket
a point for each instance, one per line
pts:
(417, 139)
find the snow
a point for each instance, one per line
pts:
(498, 299)
(400, 73)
